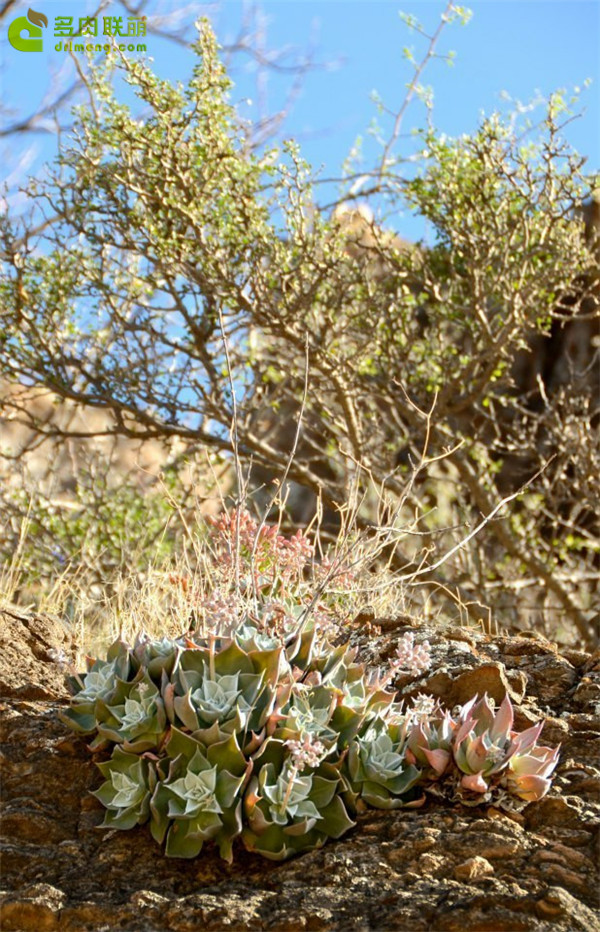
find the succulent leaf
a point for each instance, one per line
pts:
(429, 744)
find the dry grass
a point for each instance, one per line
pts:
(232, 571)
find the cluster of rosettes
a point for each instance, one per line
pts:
(279, 742)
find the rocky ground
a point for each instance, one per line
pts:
(440, 868)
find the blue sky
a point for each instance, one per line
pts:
(518, 47)
(522, 47)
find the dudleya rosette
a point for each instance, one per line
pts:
(530, 766)
(429, 742)
(130, 782)
(487, 751)
(221, 692)
(379, 771)
(134, 717)
(99, 682)
(289, 810)
(156, 654)
(483, 742)
(215, 698)
(198, 798)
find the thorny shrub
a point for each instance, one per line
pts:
(258, 724)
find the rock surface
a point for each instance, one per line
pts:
(442, 867)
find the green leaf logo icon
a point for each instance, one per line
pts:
(38, 19)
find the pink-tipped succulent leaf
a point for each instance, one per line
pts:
(528, 775)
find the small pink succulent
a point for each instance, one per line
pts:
(485, 746)
(429, 743)
(410, 657)
(483, 742)
(530, 766)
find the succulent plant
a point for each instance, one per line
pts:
(487, 751)
(156, 655)
(379, 771)
(308, 651)
(319, 712)
(134, 717)
(249, 637)
(482, 744)
(215, 693)
(199, 798)
(429, 743)
(130, 782)
(288, 811)
(99, 682)
(530, 767)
